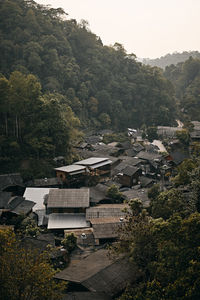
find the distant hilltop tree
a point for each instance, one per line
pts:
(170, 59)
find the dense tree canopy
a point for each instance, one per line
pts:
(104, 85)
(25, 274)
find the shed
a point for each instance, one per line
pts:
(106, 229)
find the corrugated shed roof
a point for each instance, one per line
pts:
(91, 161)
(68, 198)
(101, 164)
(67, 221)
(72, 168)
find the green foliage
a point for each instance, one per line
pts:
(33, 126)
(169, 60)
(114, 193)
(168, 203)
(25, 274)
(154, 192)
(113, 137)
(184, 171)
(69, 242)
(103, 85)
(152, 133)
(167, 255)
(183, 136)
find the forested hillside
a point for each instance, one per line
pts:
(55, 70)
(170, 59)
(186, 79)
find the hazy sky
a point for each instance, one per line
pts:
(147, 28)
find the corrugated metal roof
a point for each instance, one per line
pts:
(72, 168)
(106, 211)
(67, 221)
(91, 161)
(101, 164)
(36, 195)
(64, 198)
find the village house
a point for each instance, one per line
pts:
(97, 165)
(129, 176)
(67, 200)
(72, 174)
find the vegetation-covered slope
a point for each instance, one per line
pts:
(170, 59)
(186, 80)
(103, 85)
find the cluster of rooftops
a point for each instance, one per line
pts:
(72, 202)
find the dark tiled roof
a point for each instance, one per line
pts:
(97, 272)
(130, 171)
(24, 207)
(148, 156)
(10, 180)
(4, 199)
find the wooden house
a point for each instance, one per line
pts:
(72, 174)
(129, 176)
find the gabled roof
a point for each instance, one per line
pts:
(67, 221)
(106, 211)
(148, 156)
(72, 169)
(23, 208)
(137, 193)
(63, 198)
(97, 272)
(145, 181)
(36, 195)
(131, 161)
(105, 227)
(4, 199)
(130, 171)
(92, 161)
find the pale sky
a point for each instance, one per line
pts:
(147, 28)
